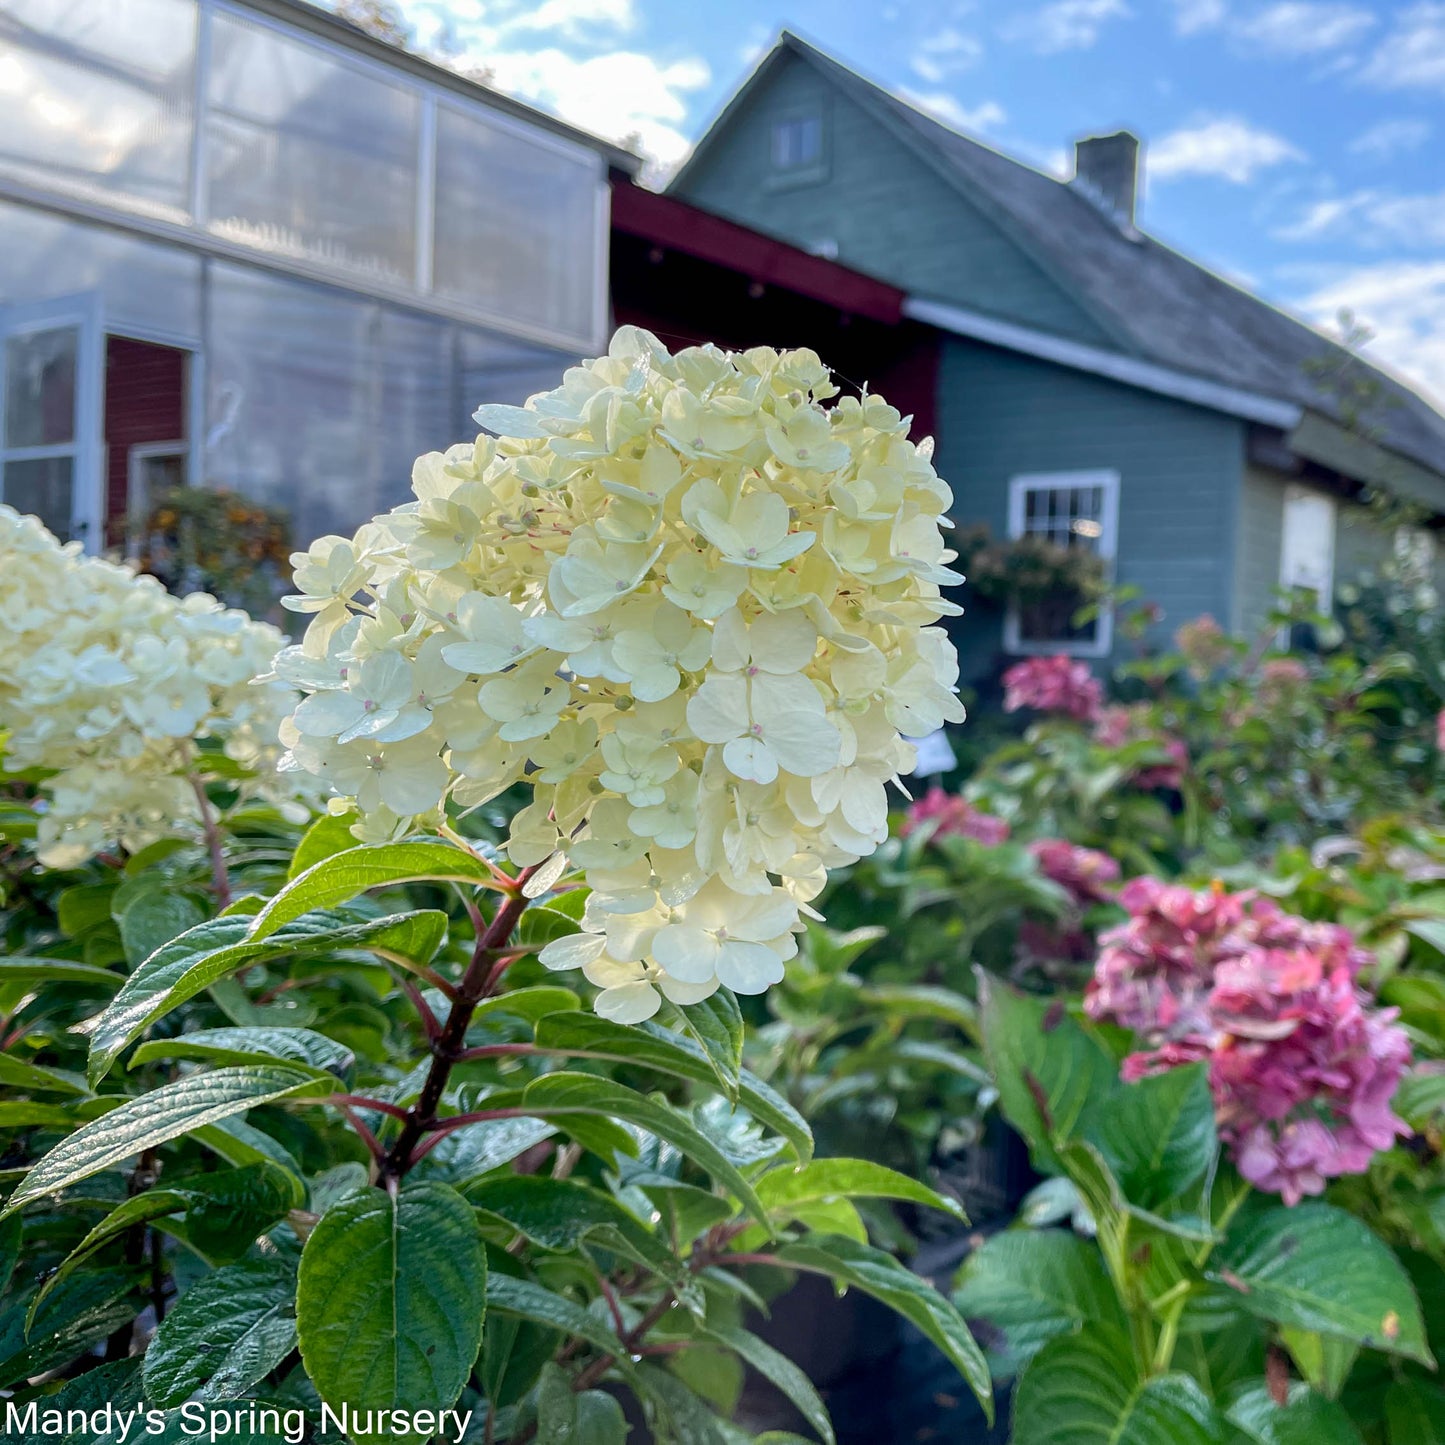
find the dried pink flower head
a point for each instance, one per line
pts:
(1301, 1067)
(950, 816)
(1085, 873)
(1203, 644)
(1053, 684)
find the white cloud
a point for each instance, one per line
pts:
(583, 72)
(946, 54)
(1192, 16)
(1413, 53)
(1403, 303)
(1373, 218)
(1066, 24)
(946, 108)
(1226, 146)
(1391, 137)
(1303, 27)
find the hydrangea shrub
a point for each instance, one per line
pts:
(687, 605)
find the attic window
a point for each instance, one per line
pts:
(797, 143)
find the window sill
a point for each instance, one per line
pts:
(794, 179)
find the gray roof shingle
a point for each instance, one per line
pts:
(1157, 303)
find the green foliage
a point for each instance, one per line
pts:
(349, 1150)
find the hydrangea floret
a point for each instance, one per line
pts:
(949, 815)
(1053, 684)
(687, 604)
(1301, 1067)
(1085, 874)
(107, 685)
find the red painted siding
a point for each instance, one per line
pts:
(145, 390)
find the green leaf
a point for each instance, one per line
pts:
(585, 1035)
(12, 1237)
(33, 1079)
(1157, 1135)
(345, 875)
(688, 1419)
(1324, 1360)
(1049, 1073)
(231, 1209)
(1084, 1390)
(155, 1118)
(152, 918)
(883, 1277)
(469, 1154)
(390, 1300)
(1318, 1268)
(1021, 1289)
(116, 1384)
(782, 1372)
(57, 970)
(529, 1003)
(925, 1001)
(825, 1180)
(557, 1097)
(1305, 1419)
(561, 1214)
(214, 950)
(1415, 1411)
(313, 1052)
(85, 907)
(227, 1331)
(529, 1301)
(565, 1417)
(328, 835)
(72, 1319)
(716, 1024)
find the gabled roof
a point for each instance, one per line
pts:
(1154, 302)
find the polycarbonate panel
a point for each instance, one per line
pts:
(41, 487)
(492, 369)
(145, 286)
(292, 398)
(40, 387)
(96, 97)
(515, 224)
(309, 156)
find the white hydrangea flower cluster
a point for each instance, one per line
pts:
(685, 603)
(106, 683)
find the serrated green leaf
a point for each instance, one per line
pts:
(1023, 1288)
(824, 1180)
(1157, 1135)
(1304, 1419)
(782, 1372)
(329, 835)
(390, 1300)
(529, 1003)
(557, 1096)
(716, 1025)
(84, 907)
(346, 875)
(154, 1119)
(152, 918)
(1049, 1073)
(1318, 1268)
(229, 1210)
(585, 1035)
(12, 1237)
(883, 1277)
(227, 1331)
(565, 1417)
(57, 970)
(71, 1320)
(313, 1052)
(688, 1421)
(527, 1300)
(469, 1154)
(214, 950)
(1085, 1390)
(33, 1079)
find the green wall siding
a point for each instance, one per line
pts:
(1261, 529)
(887, 211)
(1179, 475)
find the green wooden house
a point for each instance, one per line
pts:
(1093, 385)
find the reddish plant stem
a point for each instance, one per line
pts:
(419, 1003)
(220, 878)
(483, 974)
(373, 1144)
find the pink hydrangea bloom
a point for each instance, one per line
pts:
(1203, 644)
(954, 817)
(1302, 1069)
(1053, 684)
(1085, 873)
(1117, 727)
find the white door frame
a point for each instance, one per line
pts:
(86, 447)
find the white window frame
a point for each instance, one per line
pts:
(1107, 483)
(1325, 591)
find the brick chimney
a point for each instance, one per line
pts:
(1106, 169)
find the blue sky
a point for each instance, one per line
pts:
(1293, 144)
